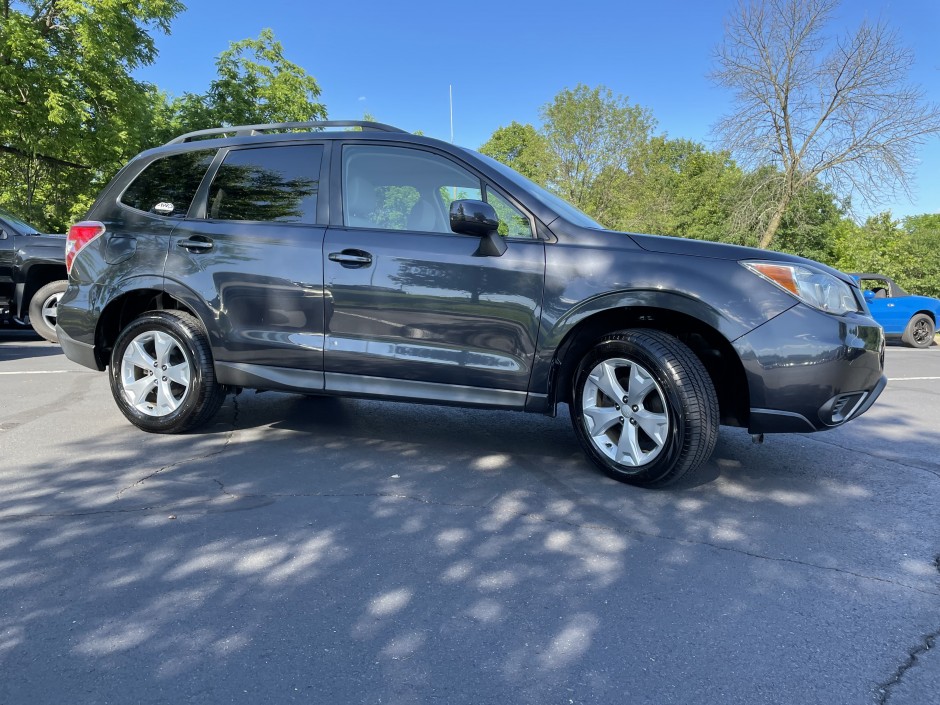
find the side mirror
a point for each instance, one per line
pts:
(3, 234)
(869, 295)
(478, 219)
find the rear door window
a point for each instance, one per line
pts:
(274, 184)
(167, 186)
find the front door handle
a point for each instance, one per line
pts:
(196, 245)
(351, 258)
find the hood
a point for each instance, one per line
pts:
(720, 250)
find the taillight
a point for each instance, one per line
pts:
(79, 236)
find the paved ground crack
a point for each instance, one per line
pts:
(203, 456)
(868, 454)
(886, 687)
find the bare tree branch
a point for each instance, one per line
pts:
(813, 106)
(41, 157)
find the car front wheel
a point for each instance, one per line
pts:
(644, 408)
(919, 332)
(161, 373)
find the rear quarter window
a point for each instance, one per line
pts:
(167, 186)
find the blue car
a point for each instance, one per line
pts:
(913, 318)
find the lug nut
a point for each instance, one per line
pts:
(625, 399)
(164, 379)
(635, 407)
(621, 419)
(164, 367)
(618, 408)
(633, 422)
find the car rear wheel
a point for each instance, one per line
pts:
(644, 408)
(44, 309)
(162, 375)
(919, 332)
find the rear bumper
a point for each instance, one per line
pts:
(810, 371)
(82, 353)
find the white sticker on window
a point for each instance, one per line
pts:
(164, 207)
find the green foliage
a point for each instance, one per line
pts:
(593, 136)
(810, 223)
(904, 250)
(255, 84)
(677, 187)
(70, 111)
(523, 148)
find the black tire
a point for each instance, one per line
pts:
(43, 309)
(682, 405)
(919, 332)
(164, 405)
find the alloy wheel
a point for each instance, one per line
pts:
(155, 373)
(50, 309)
(625, 412)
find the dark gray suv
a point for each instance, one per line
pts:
(382, 264)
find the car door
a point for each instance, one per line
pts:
(884, 307)
(413, 310)
(251, 252)
(7, 248)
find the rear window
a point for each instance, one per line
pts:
(278, 184)
(168, 185)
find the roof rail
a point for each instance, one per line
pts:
(313, 125)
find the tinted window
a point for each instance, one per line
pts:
(167, 186)
(512, 221)
(398, 188)
(270, 183)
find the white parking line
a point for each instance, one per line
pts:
(43, 372)
(909, 379)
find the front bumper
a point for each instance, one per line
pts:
(811, 371)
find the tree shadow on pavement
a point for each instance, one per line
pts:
(316, 549)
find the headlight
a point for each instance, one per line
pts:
(811, 286)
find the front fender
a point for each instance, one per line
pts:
(721, 294)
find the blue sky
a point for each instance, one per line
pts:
(506, 59)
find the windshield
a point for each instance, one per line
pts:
(18, 225)
(559, 205)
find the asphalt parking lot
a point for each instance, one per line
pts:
(343, 551)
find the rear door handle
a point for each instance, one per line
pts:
(351, 258)
(196, 245)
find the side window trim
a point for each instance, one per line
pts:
(198, 208)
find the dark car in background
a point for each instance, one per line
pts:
(910, 318)
(32, 275)
(394, 266)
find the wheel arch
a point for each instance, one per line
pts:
(707, 342)
(121, 310)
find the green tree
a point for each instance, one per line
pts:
(70, 110)
(593, 136)
(920, 268)
(677, 187)
(256, 83)
(523, 148)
